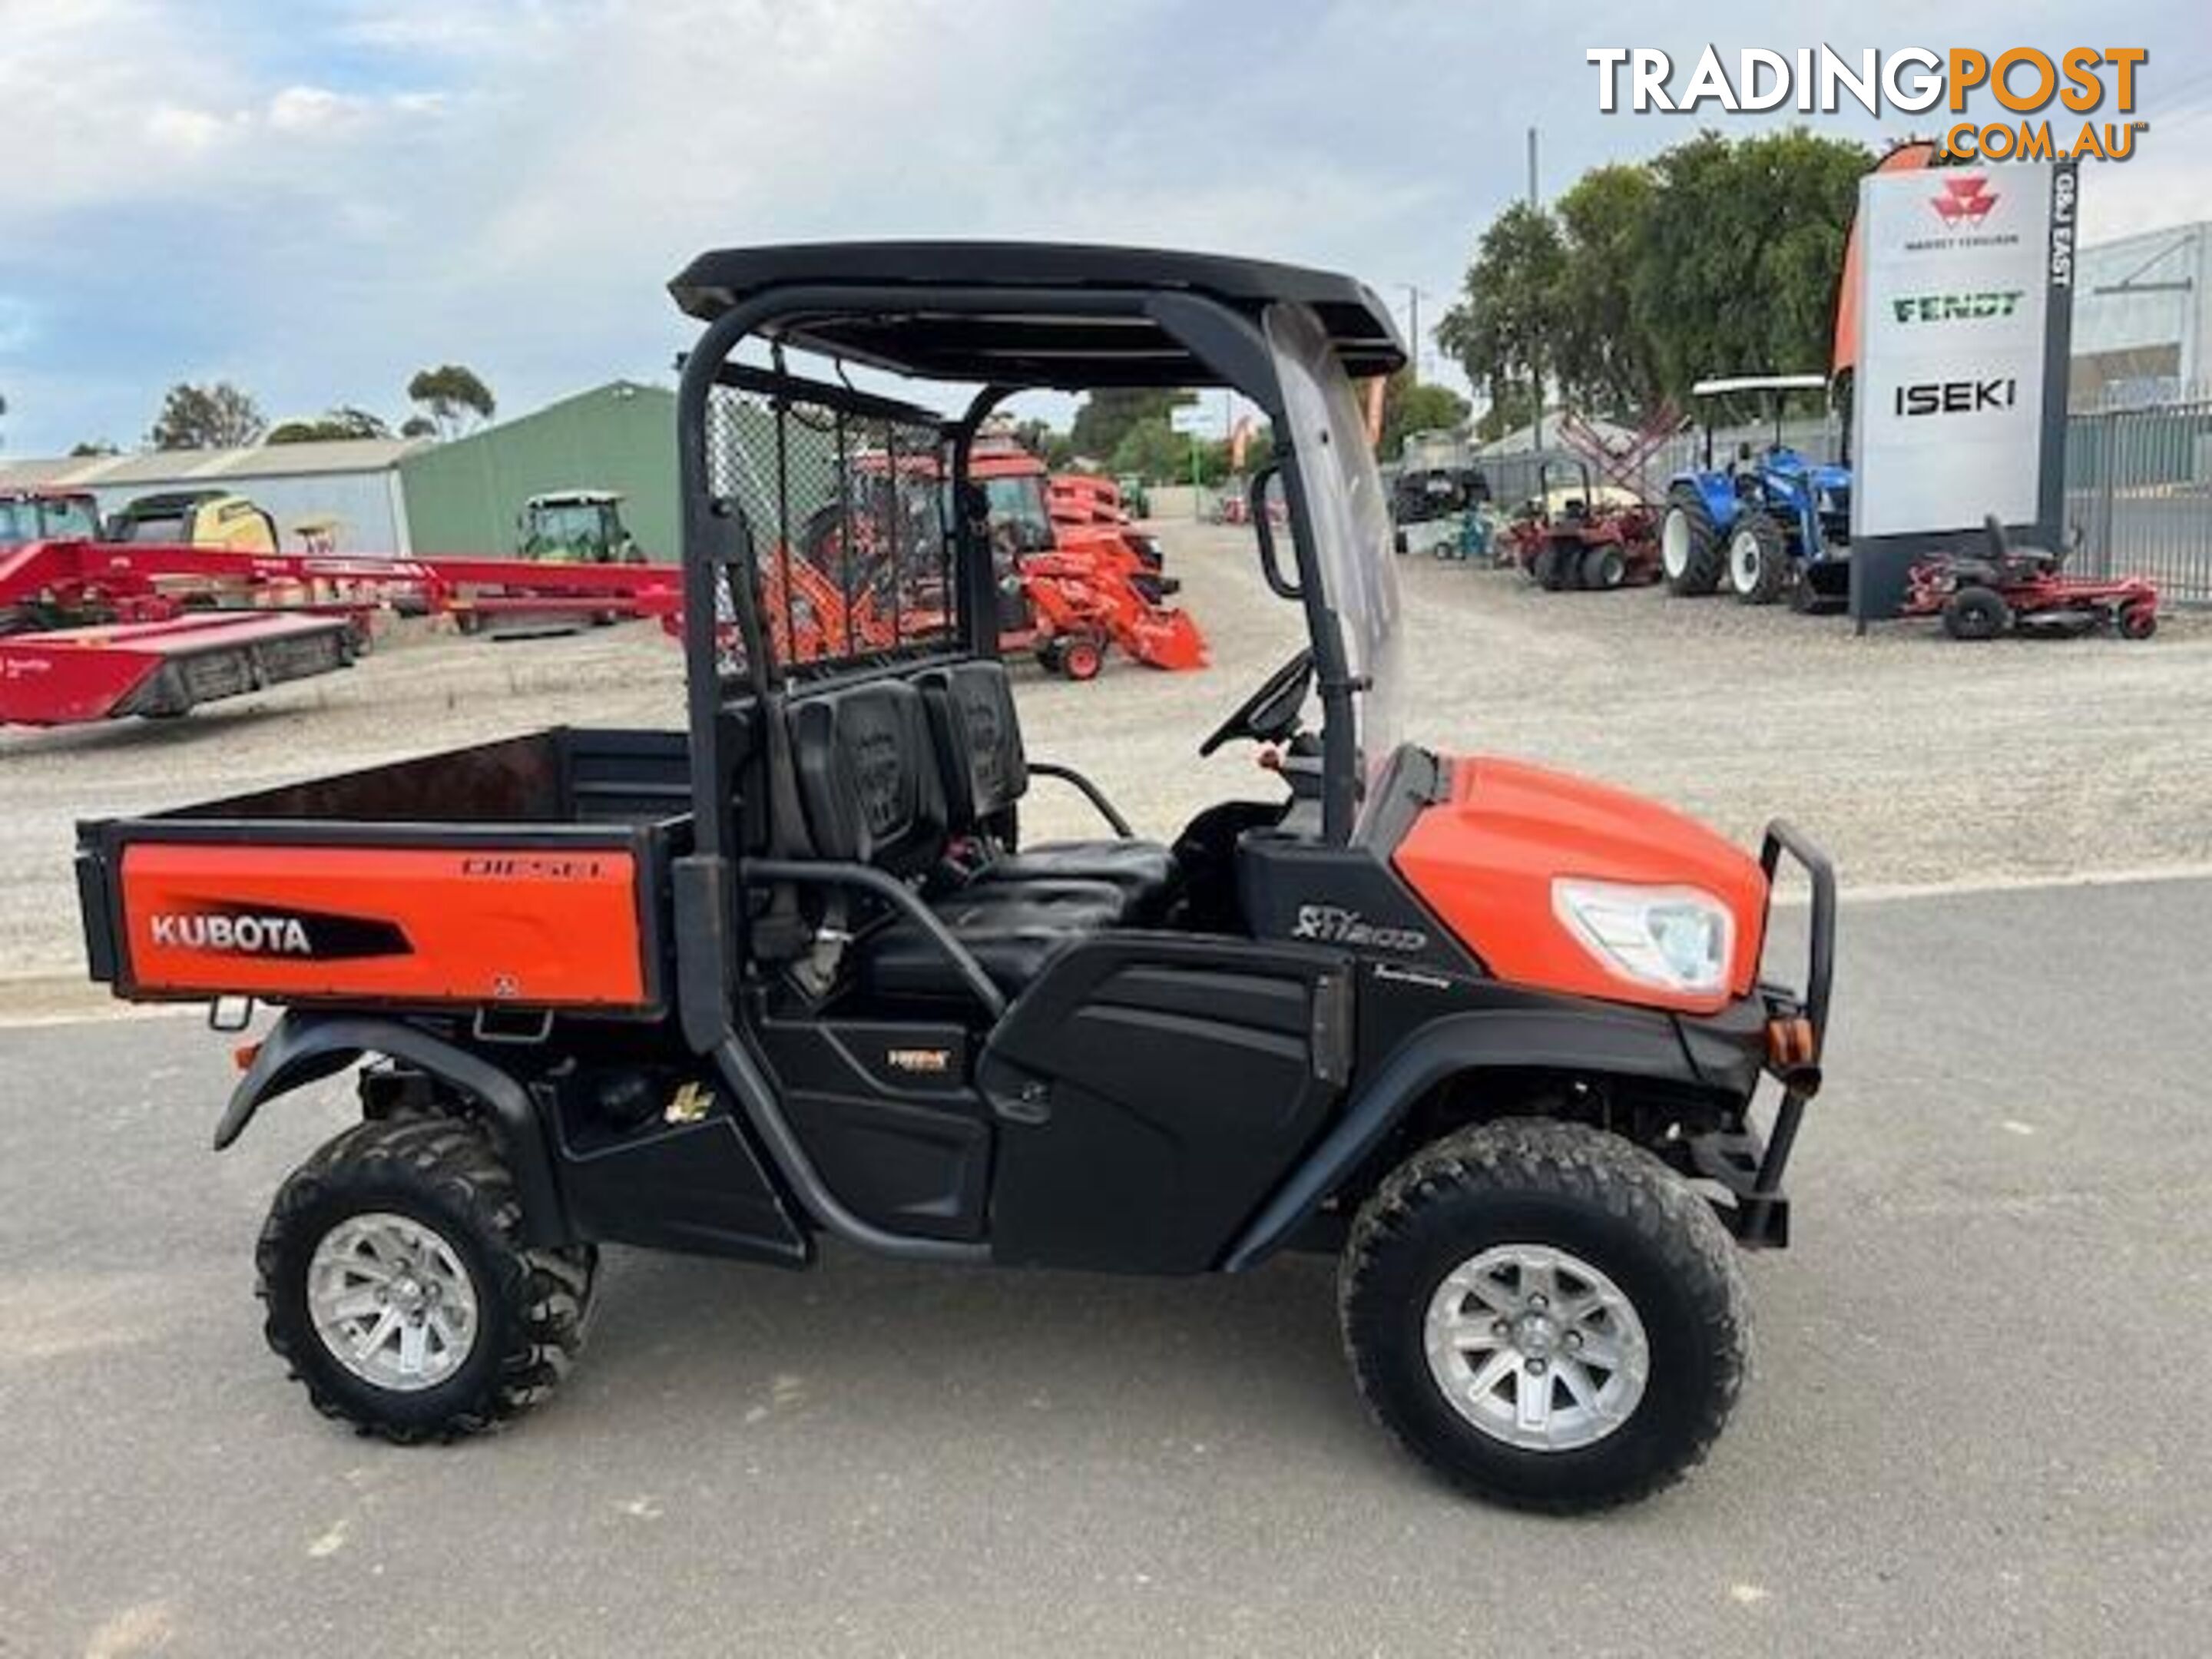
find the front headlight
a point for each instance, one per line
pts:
(1678, 939)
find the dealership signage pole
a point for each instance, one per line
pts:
(1965, 307)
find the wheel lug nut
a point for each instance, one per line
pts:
(1535, 1368)
(1574, 1339)
(1539, 1300)
(1501, 1329)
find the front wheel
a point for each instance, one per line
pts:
(1758, 560)
(399, 1291)
(1546, 1316)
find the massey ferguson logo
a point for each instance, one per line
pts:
(1964, 202)
(1956, 396)
(1328, 925)
(249, 936)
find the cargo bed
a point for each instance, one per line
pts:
(529, 874)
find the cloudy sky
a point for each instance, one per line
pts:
(314, 197)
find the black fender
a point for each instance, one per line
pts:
(1593, 1038)
(304, 1047)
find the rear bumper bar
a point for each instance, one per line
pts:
(1797, 1027)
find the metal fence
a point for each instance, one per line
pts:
(2139, 495)
(2138, 484)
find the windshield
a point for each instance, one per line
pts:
(1351, 521)
(1017, 512)
(158, 526)
(576, 525)
(50, 518)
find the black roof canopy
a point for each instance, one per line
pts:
(1060, 343)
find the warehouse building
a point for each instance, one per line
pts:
(2143, 309)
(349, 490)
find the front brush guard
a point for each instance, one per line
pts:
(1797, 1032)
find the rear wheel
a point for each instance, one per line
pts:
(1604, 568)
(1689, 544)
(398, 1289)
(1976, 613)
(1544, 1315)
(2138, 620)
(1545, 568)
(1082, 657)
(1757, 559)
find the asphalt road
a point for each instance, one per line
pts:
(1976, 1425)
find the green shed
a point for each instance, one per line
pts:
(463, 497)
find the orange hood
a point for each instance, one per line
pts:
(1484, 861)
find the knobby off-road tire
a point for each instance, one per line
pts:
(441, 1180)
(1541, 1190)
(1604, 569)
(1690, 552)
(1758, 560)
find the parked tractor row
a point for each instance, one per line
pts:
(1770, 525)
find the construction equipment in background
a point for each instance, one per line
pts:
(45, 515)
(97, 630)
(1075, 575)
(1574, 533)
(576, 526)
(1624, 461)
(195, 518)
(1771, 524)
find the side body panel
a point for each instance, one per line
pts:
(1149, 1092)
(529, 925)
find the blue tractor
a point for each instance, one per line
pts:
(1769, 525)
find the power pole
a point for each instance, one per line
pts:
(1413, 311)
(1532, 166)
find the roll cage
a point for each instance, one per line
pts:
(1003, 317)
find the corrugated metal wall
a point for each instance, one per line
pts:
(361, 502)
(464, 496)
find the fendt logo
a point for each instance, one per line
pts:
(1332, 926)
(1956, 396)
(251, 936)
(1957, 308)
(1965, 201)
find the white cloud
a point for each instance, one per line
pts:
(510, 182)
(176, 127)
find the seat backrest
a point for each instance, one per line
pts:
(868, 773)
(980, 761)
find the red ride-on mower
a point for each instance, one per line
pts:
(1571, 535)
(1982, 596)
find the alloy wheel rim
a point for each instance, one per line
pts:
(390, 1301)
(1536, 1348)
(1746, 561)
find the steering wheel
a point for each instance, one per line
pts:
(1270, 713)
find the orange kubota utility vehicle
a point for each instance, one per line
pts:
(1490, 1036)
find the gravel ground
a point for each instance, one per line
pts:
(1915, 761)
